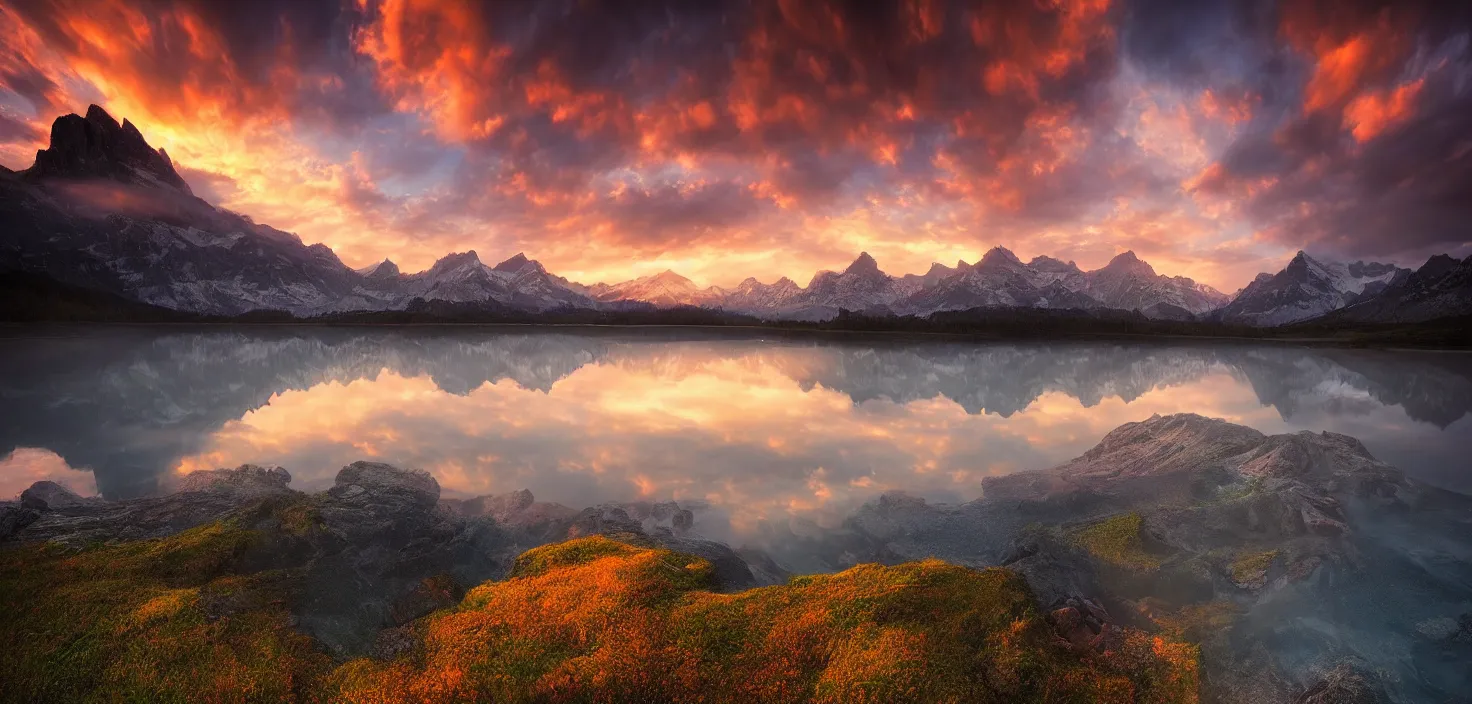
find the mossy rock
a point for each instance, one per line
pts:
(1249, 570)
(181, 619)
(1117, 541)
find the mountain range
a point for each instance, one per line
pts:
(101, 209)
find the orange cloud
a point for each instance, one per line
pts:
(1372, 113)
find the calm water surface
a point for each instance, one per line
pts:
(755, 433)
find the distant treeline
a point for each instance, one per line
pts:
(31, 298)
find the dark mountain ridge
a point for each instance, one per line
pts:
(103, 210)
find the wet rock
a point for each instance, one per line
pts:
(1445, 629)
(1343, 684)
(1438, 629)
(1464, 630)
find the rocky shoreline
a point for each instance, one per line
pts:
(1254, 547)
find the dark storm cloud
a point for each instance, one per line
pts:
(1365, 143)
(193, 56)
(808, 90)
(680, 126)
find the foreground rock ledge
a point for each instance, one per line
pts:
(1187, 528)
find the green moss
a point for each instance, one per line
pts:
(612, 624)
(540, 560)
(1117, 540)
(155, 620)
(1250, 569)
(1197, 622)
(175, 620)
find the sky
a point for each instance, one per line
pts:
(767, 138)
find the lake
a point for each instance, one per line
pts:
(792, 446)
(754, 432)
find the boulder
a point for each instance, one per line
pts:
(48, 495)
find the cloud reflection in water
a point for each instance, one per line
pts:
(758, 430)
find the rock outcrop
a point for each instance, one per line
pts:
(1304, 567)
(376, 549)
(68, 520)
(97, 147)
(1280, 554)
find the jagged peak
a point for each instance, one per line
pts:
(1438, 265)
(97, 116)
(97, 147)
(862, 265)
(998, 256)
(939, 269)
(1302, 258)
(1054, 263)
(513, 264)
(1129, 262)
(455, 259)
(385, 268)
(668, 276)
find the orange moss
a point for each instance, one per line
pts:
(590, 620)
(597, 620)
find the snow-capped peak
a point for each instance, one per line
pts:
(1345, 278)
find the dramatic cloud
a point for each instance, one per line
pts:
(775, 137)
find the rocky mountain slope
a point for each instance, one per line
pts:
(1441, 287)
(1306, 289)
(1128, 283)
(665, 289)
(101, 209)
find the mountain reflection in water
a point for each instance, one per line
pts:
(748, 431)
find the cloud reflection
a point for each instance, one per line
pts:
(756, 430)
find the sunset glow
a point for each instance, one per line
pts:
(776, 138)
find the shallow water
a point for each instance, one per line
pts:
(760, 431)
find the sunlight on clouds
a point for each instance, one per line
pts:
(27, 465)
